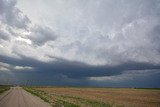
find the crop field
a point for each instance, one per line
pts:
(4, 88)
(98, 97)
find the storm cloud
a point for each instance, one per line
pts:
(80, 42)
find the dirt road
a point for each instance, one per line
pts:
(17, 97)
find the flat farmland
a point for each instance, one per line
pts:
(103, 97)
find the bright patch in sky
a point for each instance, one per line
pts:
(24, 40)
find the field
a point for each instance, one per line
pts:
(98, 97)
(4, 88)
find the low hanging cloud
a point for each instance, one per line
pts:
(23, 68)
(81, 73)
(128, 75)
(6, 67)
(74, 69)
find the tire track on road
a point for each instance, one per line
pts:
(5, 94)
(6, 98)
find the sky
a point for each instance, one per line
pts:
(101, 43)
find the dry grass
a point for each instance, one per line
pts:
(119, 97)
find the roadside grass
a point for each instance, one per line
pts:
(49, 98)
(57, 100)
(44, 96)
(4, 88)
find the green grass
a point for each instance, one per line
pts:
(4, 88)
(44, 96)
(48, 98)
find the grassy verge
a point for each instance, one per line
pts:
(50, 99)
(3, 88)
(66, 101)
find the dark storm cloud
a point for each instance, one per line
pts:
(11, 15)
(73, 69)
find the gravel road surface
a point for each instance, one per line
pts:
(18, 97)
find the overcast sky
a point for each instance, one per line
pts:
(114, 43)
